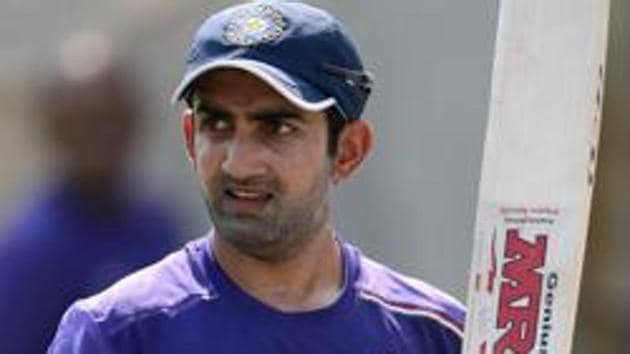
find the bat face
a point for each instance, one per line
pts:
(537, 176)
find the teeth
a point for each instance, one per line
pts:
(247, 194)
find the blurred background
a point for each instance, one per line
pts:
(413, 205)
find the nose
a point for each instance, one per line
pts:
(244, 158)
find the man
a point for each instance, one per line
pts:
(274, 92)
(83, 229)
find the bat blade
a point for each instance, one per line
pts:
(537, 176)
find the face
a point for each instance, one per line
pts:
(262, 163)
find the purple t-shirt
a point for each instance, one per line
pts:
(186, 304)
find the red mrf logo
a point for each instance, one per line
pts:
(520, 293)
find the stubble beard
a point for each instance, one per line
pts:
(284, 227)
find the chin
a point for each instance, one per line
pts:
(259, 242)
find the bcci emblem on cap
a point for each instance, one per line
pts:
(252, 26)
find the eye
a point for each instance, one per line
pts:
(282, 128)
(280, 122)
(214, 123)
(218, 124)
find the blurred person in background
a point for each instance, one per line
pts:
(86, 228)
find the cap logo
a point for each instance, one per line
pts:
(255, 25)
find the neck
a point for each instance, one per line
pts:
(310, 280)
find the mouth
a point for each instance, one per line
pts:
(246, 201)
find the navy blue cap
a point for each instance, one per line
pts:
(304, 53)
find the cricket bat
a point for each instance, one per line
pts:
(537, 176)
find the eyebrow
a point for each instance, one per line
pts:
(277, 114)
(272, 114)
(211, 109)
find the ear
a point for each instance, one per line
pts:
(188, 128)
(354, 145)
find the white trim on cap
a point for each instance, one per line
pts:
(253, 67)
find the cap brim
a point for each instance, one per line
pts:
(297, 91)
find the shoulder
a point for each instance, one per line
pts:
(167, 287)
(407, 297)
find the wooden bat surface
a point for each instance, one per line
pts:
(537, 176)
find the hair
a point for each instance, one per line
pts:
(336, 122)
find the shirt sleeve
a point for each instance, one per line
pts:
(78, 333)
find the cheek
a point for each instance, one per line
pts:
(304, 166)
(207, 160)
